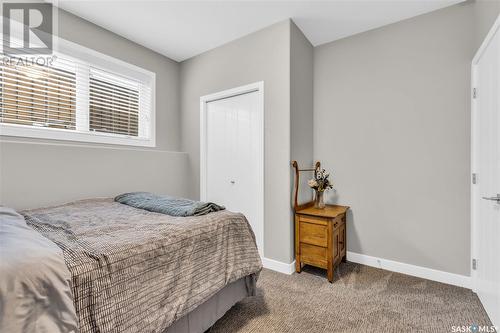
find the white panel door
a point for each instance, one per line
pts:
(486, 194)
(233, 166)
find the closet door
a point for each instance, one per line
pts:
(233, 165)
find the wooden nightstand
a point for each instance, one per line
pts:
(320, 237)
(320, 234)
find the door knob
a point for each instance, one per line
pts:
(232, 181)
(497, 198)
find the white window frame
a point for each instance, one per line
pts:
(72, 50)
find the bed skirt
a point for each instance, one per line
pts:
(204, 316)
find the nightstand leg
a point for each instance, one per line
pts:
(330, 273)
(344, 258)
(297, 264)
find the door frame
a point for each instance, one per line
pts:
(257, 87)
(474, 131)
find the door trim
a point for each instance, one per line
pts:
(257, 87)
(474, 130)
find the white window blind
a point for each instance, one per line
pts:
(114, 104)
(101, 100)
(38, 96)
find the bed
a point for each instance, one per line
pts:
(102, 266)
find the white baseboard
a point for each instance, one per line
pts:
(389, 265)
(278, 266)
(418, 271)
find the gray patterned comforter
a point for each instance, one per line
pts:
(138, 271)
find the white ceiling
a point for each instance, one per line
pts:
(183, 29)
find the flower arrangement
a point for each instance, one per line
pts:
(320, 183)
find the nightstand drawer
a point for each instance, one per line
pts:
(314, 234)
(312, 219)
(313, 255)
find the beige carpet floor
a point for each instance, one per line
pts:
(361, 299)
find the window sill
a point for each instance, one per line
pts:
(69, 135)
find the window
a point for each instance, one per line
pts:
(81, 96)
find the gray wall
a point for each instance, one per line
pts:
(391, 119)
(35, 175)
(261, 56)
(301, 107)
(485, 13)
(28, 168)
